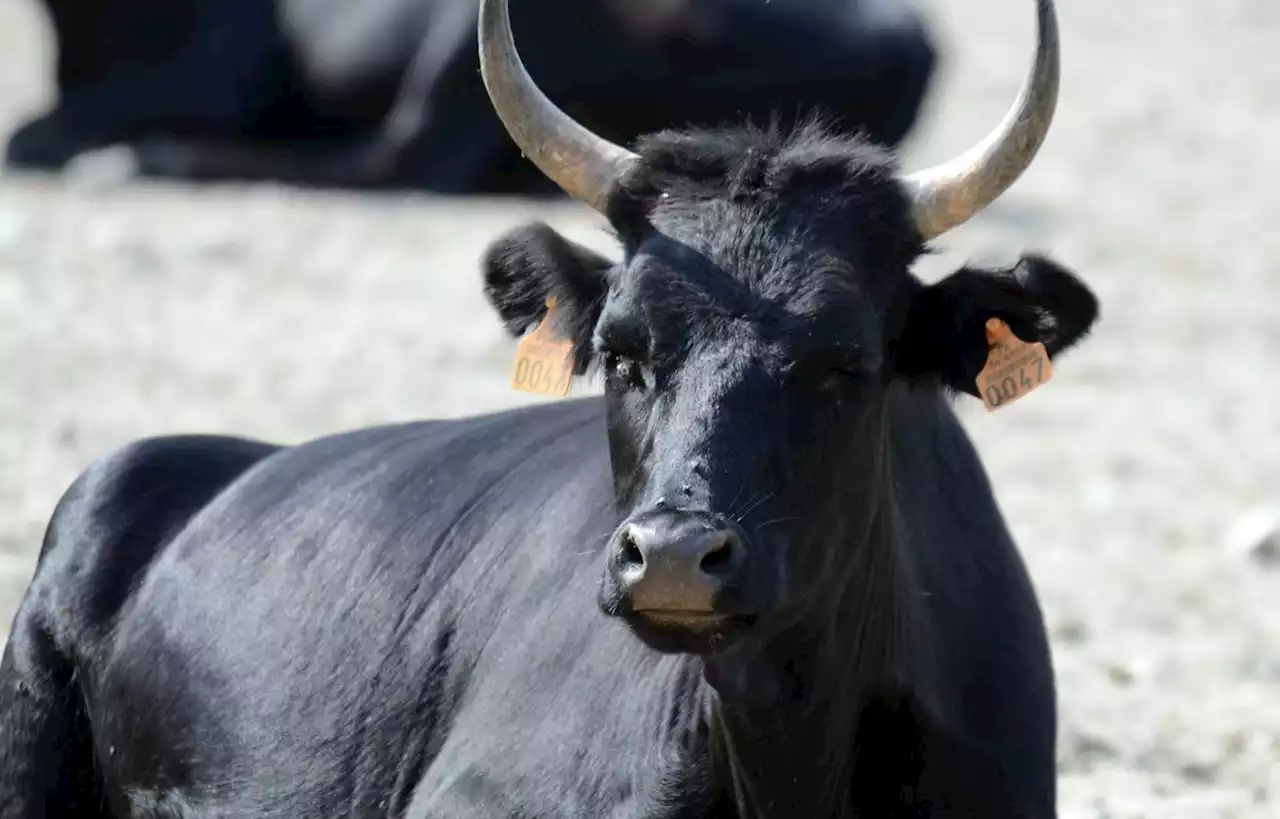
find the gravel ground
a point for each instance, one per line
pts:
(1139, 482)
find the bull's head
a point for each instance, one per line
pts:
(763, 338)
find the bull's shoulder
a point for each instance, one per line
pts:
(414, 467)
(414, 487)
(116, 516)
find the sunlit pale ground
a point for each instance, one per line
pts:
(1129, 480)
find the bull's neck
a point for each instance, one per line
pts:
(784, 721)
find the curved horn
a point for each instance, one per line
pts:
(583, 164)
(947, 195)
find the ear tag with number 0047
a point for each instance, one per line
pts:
(544, 363)
(1014, 367)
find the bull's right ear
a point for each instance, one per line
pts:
(943, 328)
(527, 265)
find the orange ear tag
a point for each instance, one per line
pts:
(544, 363)
(1014, 367)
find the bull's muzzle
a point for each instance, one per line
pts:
(678, 566)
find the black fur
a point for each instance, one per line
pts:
(436, 619)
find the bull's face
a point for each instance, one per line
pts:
(751, 341)
(738, 413)
(755, 334)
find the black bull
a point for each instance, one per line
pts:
(764, 576)
(387, 92)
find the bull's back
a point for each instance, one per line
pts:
(106, 531)
(339, 592)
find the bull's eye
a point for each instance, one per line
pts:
(826, 377)
(623, 372)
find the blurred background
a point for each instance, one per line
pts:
(317, 269)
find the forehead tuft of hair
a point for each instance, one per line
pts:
(804, 182)
(751, 161)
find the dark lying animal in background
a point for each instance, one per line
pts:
(387, 93)
(812, 606)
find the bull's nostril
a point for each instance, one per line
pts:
(630, 556)
(718, 557)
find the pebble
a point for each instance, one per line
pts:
(1256, 536)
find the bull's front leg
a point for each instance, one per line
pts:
(46, 754)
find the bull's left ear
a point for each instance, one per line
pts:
(529, 264)
(941, 329)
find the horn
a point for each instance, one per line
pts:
(949, 194)
(585, 165)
